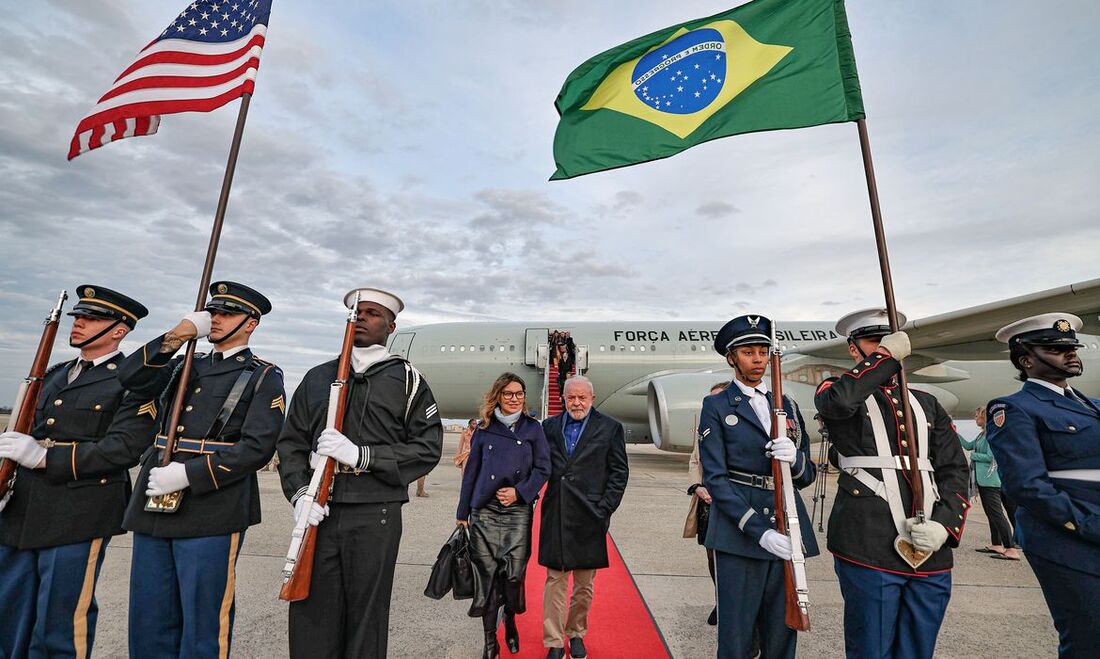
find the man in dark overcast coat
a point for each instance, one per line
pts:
(587, 480)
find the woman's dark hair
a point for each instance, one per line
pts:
(1015, 354)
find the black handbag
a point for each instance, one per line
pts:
(463, 575)
(441, 579)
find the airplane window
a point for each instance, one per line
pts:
(511, 348)
(442, 348)
(462, 348)
(631, 348)
(653, 348)
(1094, 346)
(482, 349)
(603, 348)
(693, 347)
(642, 348)
(452, 348)
(623, 348)
(492, 348)
(612, 348)
(471, 348)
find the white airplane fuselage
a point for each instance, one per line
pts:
(652, 376)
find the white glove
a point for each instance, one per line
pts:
(316, 512)
(4, 501)
(782, 449)
(334, 444)
(898, 345)
(929, 536)
(201, 321)
(22, 449)
(165, 480)
(777, 544)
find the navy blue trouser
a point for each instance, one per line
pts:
(891, 616)
(750, 594)
(1073, 598)
(47, 600)
(181, 596)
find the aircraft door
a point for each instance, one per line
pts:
(533, 339)
(401, 344)
(582, 359)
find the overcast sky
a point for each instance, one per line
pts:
(407, 145)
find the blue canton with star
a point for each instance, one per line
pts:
(218, 22)
(683, 76)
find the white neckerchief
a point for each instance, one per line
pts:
(758, 399)
(509, 420)
(75, 371)
(364, 358)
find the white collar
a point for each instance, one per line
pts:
(1049, 385)
(364, 358)
(761, 388)
(226, 354)
(99, 360)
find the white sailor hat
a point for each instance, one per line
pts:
(378, 296)
(1048, 329)
(867, 323)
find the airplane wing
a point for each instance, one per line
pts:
(967, 334)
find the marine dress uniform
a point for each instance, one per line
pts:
(392, 419)
(891, 609)
(1046, 439)
(183, 568)
(738, 474)
(55, 528)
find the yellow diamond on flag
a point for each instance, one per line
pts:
(682, 82)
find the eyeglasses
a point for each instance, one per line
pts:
(515, 395)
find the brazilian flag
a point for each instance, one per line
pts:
(765, 65)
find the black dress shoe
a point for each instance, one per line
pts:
(555, 653)
(511, 634)
(577, 649)
(712, 619)
(492, 650)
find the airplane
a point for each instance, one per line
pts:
(653, 375)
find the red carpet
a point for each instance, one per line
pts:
(619, 624)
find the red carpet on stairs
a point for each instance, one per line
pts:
(619, 624)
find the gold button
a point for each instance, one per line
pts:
(960, 516)
(899, 413)
(855, 491)
(98, 407)
(866, 363)
(102, 481)
(1071, 526)
(1072, 429)
(57, 402)
(50, 422)
(901, 427)
(855, 370)
(198, 389)
(492, 477)
(179, 428)
(111, 367)
(896, 401)
(904, 444)
(956, 529)
(189, 408)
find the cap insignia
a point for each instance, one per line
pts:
(222, 288)
(753, 322)
(89, 291)
(1062, 325)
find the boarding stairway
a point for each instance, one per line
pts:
(550, 403)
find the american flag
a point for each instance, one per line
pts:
(206, 58)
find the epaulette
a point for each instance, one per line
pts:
(54, 367)
(825, 384)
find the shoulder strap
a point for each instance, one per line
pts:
(232, 400)
(412, 386)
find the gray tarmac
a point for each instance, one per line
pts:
(996, 609)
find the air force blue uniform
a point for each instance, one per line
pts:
(1035, 433)
(749, 578)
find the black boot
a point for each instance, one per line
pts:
(489, 624)
(511, 634)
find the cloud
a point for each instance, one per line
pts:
(713, 210)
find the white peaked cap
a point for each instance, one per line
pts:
(378, 296)
(1055, 324)
(868, 320)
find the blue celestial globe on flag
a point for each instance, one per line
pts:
(684, 75)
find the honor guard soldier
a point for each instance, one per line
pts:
(1046, 439)
(736, 450)
(182, 571)
(72, 485)
(891, 608)
(392, 435)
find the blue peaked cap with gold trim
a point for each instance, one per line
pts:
(747, 330)
(231, 297)
(105, 304)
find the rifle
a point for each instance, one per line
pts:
(298, 570)
(26, 399)
(796, 584)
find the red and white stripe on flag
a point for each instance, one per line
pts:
(169, 76)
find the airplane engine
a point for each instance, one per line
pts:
(673, 402)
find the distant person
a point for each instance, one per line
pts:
(565, 361)
(70, 494)
(422, 486)
(988, 480)
(736, 451)
(587, 480)
(509, 463)
(699, 511)
(894, 598)
(463, 452)
(1046, 438)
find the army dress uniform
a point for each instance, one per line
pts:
(391, 416)
(738, 474)
(890, 608)
(55, 528)
(1046, 440)
(183, 568)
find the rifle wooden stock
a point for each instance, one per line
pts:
(795, 583)
(26, 401)
(298, 571)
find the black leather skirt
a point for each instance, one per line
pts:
(500, 545)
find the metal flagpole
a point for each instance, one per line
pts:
(912, 555)
(169, 503)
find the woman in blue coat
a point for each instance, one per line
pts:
(508, 465)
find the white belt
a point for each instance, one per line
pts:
(899, 462)
(1077, 474)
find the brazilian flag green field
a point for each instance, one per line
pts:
(765, 65)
